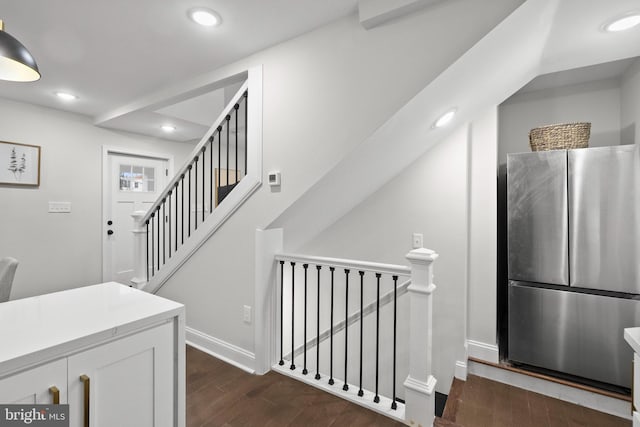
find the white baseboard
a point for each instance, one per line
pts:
(483, 351)
(460, 370)
(610, 405)
(222, 350)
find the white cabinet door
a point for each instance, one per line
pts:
(32, 386)
(131, 381)
(636, 381)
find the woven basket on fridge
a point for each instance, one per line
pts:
(560, 137)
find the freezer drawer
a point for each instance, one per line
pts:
(537, 217)
(603, 242)
(575, 333)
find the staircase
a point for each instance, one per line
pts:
(222, 171)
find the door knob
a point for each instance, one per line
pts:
(109, 222)
(109, 232)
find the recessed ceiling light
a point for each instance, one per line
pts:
(445, 118)
(624, 23)
(205, 17)
(168, 128)
(66, 96)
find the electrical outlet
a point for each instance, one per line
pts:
(417, 241)
(246, 315)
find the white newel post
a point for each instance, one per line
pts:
(139, 250)
(420, 383)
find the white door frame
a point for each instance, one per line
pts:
(106, 151)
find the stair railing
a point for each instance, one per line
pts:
(313, 295)
(214, 168)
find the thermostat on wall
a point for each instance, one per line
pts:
(274, 178)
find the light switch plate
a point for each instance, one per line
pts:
(59, 207)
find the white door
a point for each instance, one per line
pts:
(134, 184)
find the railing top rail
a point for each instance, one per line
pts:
(354, 265)
(198, 149)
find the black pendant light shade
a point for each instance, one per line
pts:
(16, 63)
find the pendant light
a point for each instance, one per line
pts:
(16, 63)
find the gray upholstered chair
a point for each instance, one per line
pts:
(8, 267)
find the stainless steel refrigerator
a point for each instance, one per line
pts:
(573, 260)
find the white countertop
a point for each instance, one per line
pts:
(44, 327)
(632, 336)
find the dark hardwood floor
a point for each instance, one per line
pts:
(219, 394)
(480, 402)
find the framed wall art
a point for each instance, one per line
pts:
(19, 164)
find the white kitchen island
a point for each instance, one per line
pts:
(115, 354)
(632, 337)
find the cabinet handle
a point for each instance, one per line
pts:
(86, 381)
(55, 394)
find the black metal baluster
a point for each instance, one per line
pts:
(164, 232)
(147, 242)
(219, 164)
(293, 288)
(189, 206)
(395, 291)
(204, 149)
(281, 313)
(345, 387)
(318, 267)
(376, 399)
(195, 192)
(228, 118)
(169, 199)
(331, 269)
(182, 204)
(211, 174)
(235, 107)
(304, 367)
(361, 392)
(153, 255)
(246, 121)
(176, 203)
(158, 217)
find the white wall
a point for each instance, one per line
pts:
(482, 295)
(429, 197)
(597, 102)
(630, 90)
(60, 251)
(324, 93)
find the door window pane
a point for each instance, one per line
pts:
(137, 178)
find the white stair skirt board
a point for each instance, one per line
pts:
(610, 405)
(483, 351)
(366, 401)
(460, 371)
(222, 350)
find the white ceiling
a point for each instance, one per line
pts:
(115, 53)
(110, 53)
(592, 73)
